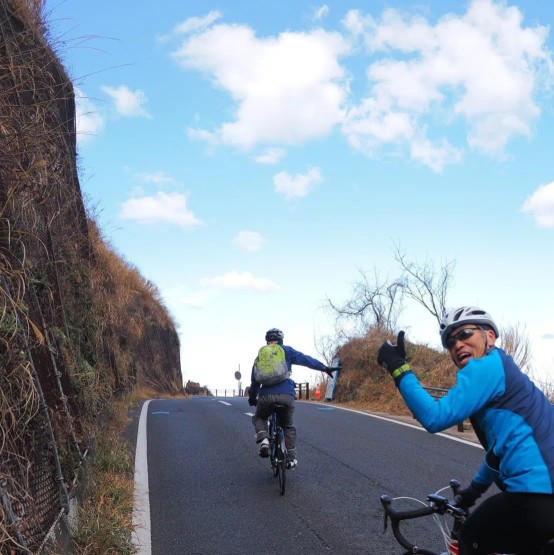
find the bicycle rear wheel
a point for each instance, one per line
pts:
(274, 458)
(273, 446)
(281, 461)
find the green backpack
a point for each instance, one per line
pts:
(270, 367)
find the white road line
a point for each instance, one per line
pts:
(447, 436)
(225, 403)
(249, 413)
(141, 509)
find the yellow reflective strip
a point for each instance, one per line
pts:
(401, 370)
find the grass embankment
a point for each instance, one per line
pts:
(104, 520)
(364, 383)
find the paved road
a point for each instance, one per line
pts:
(211, 494)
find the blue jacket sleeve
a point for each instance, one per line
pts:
(296, 357)
(479, 382)
(485, 476)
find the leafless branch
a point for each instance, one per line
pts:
(424, 284)
(515, 341)
(375, 303)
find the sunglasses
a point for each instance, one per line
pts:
(462, 335)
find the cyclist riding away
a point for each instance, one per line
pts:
(514, 422)
(271, 384)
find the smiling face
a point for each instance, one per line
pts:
(469, 341)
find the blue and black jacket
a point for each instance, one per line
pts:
(513, 419)
(292, 356)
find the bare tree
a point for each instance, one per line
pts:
(515, 341)
(376, 303)
(423, 284)
(328, 346)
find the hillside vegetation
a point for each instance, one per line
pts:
(364, 383)
(79, 325)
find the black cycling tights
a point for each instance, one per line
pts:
(519, 523)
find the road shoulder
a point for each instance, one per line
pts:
(468, 434)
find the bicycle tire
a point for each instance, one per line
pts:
(274, 461)
(281, 461)
(273, 451)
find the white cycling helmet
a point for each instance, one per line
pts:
(465, 315)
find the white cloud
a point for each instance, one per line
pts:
(191, 25)
(203, 135)
(249, 240)
(197, 23)
(482, 69)
(288, 88)
(159, 178)
(89, 120)
(372, 124)
(164, 207)
(298, 185)
(321, 12)
(128, 103)
(242, 281)
(436, 156)
(541, 205)
(271, 156)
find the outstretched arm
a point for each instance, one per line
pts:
(296, 357)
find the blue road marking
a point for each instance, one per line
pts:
(326, 408)
(160, 412)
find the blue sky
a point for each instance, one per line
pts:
(251, 157)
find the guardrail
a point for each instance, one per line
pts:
(302, 392)
(225, 392)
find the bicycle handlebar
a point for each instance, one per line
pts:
(397, 516)
(437, 505)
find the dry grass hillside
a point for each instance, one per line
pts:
(79, 325)
(363, 382)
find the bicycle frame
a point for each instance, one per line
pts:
(277, 449)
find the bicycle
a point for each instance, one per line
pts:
(438, 506)
(277, 448)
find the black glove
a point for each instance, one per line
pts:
(252, 401)
(466, 498)
(329, 371)
(393, 358)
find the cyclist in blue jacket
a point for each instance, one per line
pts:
(263, 397)
(514, 421)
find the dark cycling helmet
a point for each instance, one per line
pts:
(274, 334)
(465, 315)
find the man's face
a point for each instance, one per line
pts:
(467, 342)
